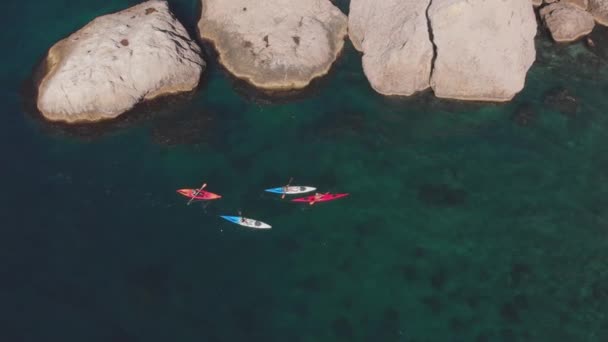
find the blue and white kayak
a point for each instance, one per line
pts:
(246, 222)
(291, 190)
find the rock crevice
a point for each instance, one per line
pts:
(431, 37)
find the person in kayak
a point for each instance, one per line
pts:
(286, 188)
(315, 198)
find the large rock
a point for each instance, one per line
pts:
(599, 9)
(582, 4)
(394, 38)
(579, 3)
(116, 61)
(484, 48)
(537, 3)
(567, 22)
(274, 44)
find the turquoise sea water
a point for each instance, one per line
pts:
(466, 221)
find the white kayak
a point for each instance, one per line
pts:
(291, 190)
(246, 222)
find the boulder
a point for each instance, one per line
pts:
(582, 4)
(567, 22)
(537, 3)
(274, 44)
(116, 61)
(599, 9)
(483, 48)
(394, 38)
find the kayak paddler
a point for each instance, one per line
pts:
(286, 187)
(316, 197)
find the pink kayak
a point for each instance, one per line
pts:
(202, 195)
(322, 198)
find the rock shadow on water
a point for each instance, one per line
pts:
(199, 127)
(441, 195)
(597, 41)
(428, 104)
(336, 124)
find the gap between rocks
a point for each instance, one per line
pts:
(432, 38)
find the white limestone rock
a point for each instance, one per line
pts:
(484, 48)
(394, 38)
(599, 9)
(274, 44)
(116, 61)
(567, 22)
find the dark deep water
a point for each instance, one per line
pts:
(467, 222)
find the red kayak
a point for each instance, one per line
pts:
(200, 195)
(322, 198)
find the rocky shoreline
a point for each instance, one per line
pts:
(465, 50)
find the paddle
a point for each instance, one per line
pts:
(196, 193)
(285, 188)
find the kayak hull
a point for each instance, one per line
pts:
(324, 198)
(246, 222)
(202, 196)
(291, 190)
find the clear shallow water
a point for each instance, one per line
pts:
(463, 225)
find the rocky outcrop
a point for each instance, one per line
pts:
(566, 22)
(484, 48)
(394, 38)
(469, 50)
(274, 44)
(579, 3)
(116, 61)
(582, 4)
(599, 9)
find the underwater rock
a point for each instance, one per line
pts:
(199, 128)
(342, 328)
(561, 100)
(441, 195)
(274, 44)
(524, 115)
(484, 48)
(509, 313)
(567, 22)
(438, 280)
(519, 273)
(116, 61)
(433, 303)
(394, 38)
